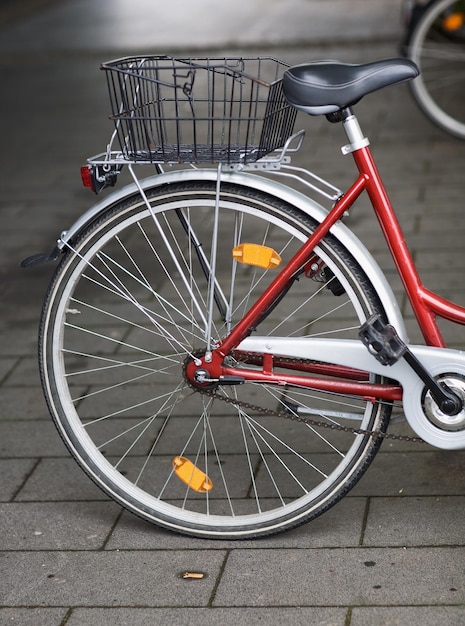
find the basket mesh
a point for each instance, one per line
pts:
(228, 110)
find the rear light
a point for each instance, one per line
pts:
(97, 177)
(86, 177)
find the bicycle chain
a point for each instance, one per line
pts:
(305, 420)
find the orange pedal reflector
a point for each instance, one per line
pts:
(191, 475)
(255, 254)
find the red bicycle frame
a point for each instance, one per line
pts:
(426, 305)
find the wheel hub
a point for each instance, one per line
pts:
(198, 372)
(202, 377)
(456, 422)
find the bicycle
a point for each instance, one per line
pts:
(219, 352)
(435, 41)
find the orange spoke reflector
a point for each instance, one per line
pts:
(254, 254)
(454, 21)
(191, 475)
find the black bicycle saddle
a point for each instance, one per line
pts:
(325, 87)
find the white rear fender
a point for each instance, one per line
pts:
(272, 187)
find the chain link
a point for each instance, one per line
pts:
(242, 404)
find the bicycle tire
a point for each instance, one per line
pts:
(439, 52)
(118, 323)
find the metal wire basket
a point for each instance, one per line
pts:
(198, 110)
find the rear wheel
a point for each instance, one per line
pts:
(437, 46)
(128, 309)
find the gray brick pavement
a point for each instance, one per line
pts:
(390, 553)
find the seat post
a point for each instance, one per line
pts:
(352, 129)
(354, 133)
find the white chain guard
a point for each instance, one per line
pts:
(352, 353)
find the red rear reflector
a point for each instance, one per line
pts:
(86, 177)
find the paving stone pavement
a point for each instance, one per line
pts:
(393, 551)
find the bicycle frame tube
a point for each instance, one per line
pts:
(426, 304)
(281, 282)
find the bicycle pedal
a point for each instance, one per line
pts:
(382, 340)
(387, 347)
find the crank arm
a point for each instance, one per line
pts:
(387, 347)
